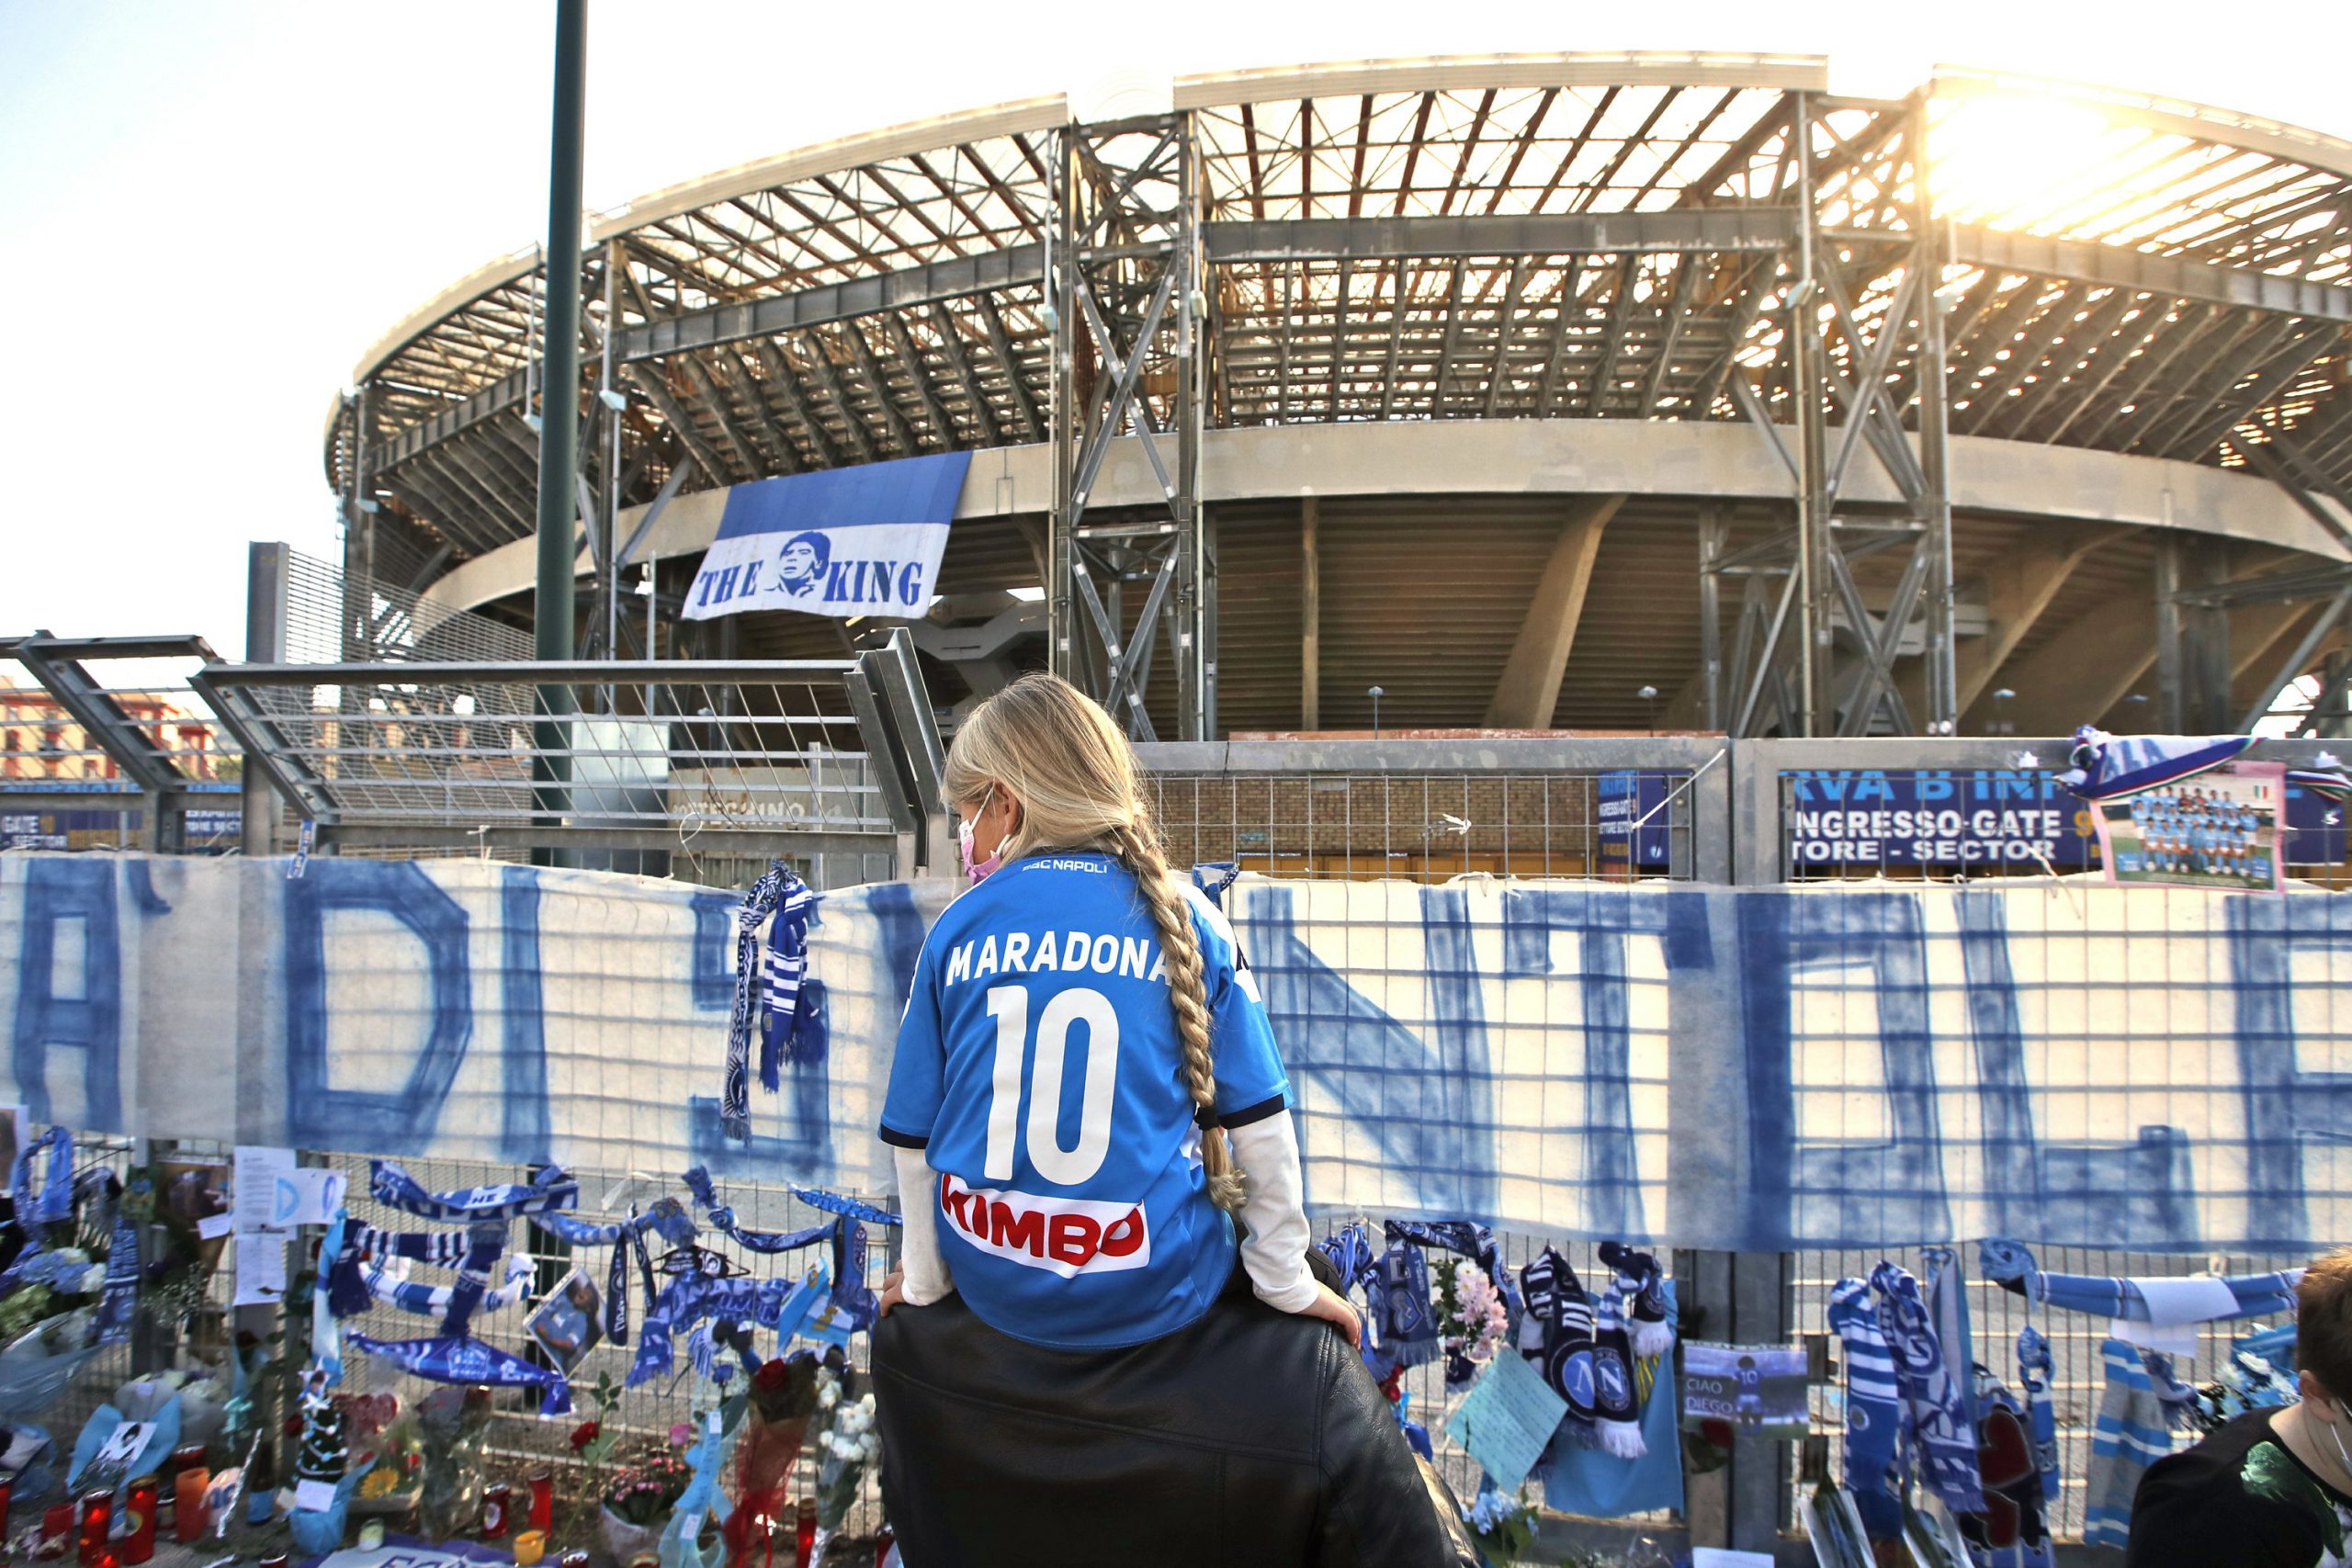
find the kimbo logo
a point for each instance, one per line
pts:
(1068, 1237)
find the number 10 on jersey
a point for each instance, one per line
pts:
(1009, 1005)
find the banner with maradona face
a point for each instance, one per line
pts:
(857, 541)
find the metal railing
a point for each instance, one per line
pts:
(810, 759)
(83, 764)
(1426, 810)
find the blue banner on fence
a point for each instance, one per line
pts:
(1724, 1068)
(1635, 832)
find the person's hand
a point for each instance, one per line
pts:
(1335, 1310)
(894, 1292)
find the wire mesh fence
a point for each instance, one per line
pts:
(1996, 1316)
(333, 617)
(1426, 827)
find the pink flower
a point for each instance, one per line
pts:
(680, 1435)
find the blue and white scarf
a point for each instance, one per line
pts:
(2010, 1266)
(2035, 1374)
(1408, 1329)
(1873, 1402)
(834, 1204)
(735, 1091)
(326, 1335)
(1640, 1285)
(667, 1219)
(1947, 1294)
(780, 1304)
(461, 1360)
(852, 1296)
(395, 1288)
(1463, 1239)
(1933, 1407)
(54, 1202)
(120, 1303)
(792, 1026)
(2106, 767)
(395, 1189)
(2130, 1435)
(722, 1220)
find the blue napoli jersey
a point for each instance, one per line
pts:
(1039, 1069)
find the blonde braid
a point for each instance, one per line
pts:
(1138, 848)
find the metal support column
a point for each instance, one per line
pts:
(267, 566)
(1124, 294)
(1816, 667)
(608, 494)
(551, 614)
(2171, 689)
(358, 541)
(1942, 665)
(1712, 529)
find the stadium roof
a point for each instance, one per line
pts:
(1576, 237)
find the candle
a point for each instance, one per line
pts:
(139, 1519)
(543, 1501)
(529, 1546)
(187, 1501)
(97, 1518)
(56, 1529)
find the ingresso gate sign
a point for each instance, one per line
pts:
(1948, 817)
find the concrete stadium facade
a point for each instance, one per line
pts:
(1518, 388)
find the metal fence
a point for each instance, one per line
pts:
(521, 1442)
(1428, 810)
(90, 763)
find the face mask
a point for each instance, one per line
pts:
(2340, 1452)
(978, 870)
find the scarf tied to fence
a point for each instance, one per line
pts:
(2135, 1299)
(1934, 1405)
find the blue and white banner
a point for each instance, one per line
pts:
(1741, 1069)
(857, 541)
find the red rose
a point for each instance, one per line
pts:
(583, 1434)
(1716, 1430)
(293, 1426)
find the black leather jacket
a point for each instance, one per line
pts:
(1251, 1439)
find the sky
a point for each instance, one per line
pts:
(210, 211)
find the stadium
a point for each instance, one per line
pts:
(1599, 393)
(1603, 556)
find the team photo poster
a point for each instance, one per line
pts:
(2217, 830)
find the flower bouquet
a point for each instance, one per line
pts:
(636, 1503)
(1505, 1527)
(452, 1423)
(782, 1398)
(846, 1446)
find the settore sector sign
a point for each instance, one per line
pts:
(1980, 816)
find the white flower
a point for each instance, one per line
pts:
(867, 1404)
(828, 1395)
(94, 1279)
(872, 1447)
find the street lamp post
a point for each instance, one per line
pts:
(1375, 694)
